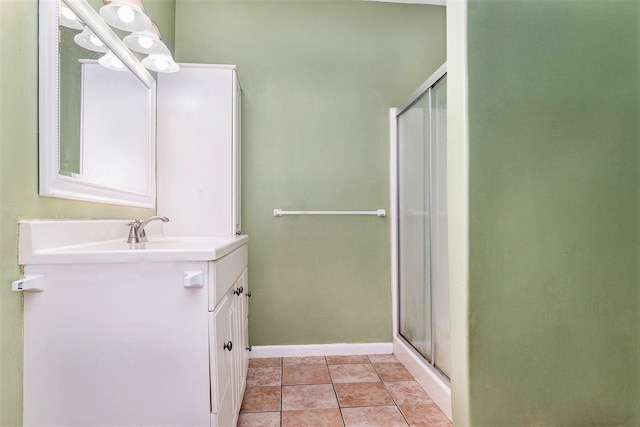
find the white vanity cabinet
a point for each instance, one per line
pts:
(137, 338)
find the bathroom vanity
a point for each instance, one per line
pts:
(132, 334)
(152, 333)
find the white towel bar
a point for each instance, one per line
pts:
(379, 212)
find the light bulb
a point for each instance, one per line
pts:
(67, 13)
(145, 41)
(125, 13)
(161, 63)
(117, 63)
(95, 40)
(109, 60)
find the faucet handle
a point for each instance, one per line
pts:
(133, 231)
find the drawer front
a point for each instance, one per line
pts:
(224, 272)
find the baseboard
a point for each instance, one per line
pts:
(438, 389)
(320, 349)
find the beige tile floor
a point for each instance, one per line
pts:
(367, 391)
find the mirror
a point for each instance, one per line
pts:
(97, 126)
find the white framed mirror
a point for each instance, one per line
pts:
(96, 125)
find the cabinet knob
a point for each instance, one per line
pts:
(228, 346)
(249, 294)
(239, 291)
(248, 348)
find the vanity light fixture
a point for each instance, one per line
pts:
(90, 41)
(112, 62)
(69, 19)
(127, 15)
(161, 62)
(146, 41)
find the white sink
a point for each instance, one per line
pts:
(66, 242)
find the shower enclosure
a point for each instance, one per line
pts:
(422, 259)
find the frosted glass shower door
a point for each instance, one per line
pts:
(422, 226)
(414, 223)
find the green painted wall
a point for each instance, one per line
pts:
(553, 144)
(162, 12)
(19, 183)
(318, 79)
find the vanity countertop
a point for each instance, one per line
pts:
(67, 242)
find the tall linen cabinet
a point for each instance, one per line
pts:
(198, 188)
(198, 153)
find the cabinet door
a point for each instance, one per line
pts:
(237, 294)
(244, 328)
(240, 325)
(221, 321)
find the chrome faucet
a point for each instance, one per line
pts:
(137, 233)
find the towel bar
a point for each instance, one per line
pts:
(379, 212)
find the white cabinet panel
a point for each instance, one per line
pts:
(237, 154)
(198, 153)
(116, 344)
(222, 346)
(244, 324)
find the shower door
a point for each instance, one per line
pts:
(422, 223)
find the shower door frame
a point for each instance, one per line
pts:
(432, 380)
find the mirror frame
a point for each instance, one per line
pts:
(51, 182)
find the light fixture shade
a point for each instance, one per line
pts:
(127, 15)
(68, 18)
(90, 41)
(146, 41)
(162, 63)
(112, 62)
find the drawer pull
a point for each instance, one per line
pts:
(227, 346)
(239, 291)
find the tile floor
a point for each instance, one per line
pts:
(368, 391)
